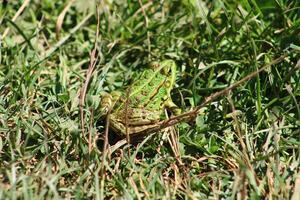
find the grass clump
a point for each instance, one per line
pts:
(244, 144)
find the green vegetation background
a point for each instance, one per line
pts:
(244, 144)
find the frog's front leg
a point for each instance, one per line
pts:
(171, 106)
(108, 101)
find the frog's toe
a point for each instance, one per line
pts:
(176, 110)
(171, 106)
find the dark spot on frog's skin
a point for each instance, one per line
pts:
(144, 92)
(128, 101)
(123, 99)
(164, 98)
(137, 99)
(162, 104)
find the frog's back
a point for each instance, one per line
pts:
(148, 90)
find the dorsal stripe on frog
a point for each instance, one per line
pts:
(146, 82)
(152, 96)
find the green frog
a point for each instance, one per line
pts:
(142, 105)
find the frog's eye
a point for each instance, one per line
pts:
(154, 65)
(165, 69)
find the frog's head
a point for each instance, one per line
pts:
(166, 67)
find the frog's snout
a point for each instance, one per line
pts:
(165, 66)
(164, 69)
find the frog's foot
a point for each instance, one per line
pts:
(176, 110)
(108, 100)
(171, 106)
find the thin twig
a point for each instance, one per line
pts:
(104, 155)
(126, 115)
(89, 73)
(193, 113)
(93, 61)
(145, 6)
(18, 13)
(147, 25)
(67, 37)
(245, 157)
(61, 17)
